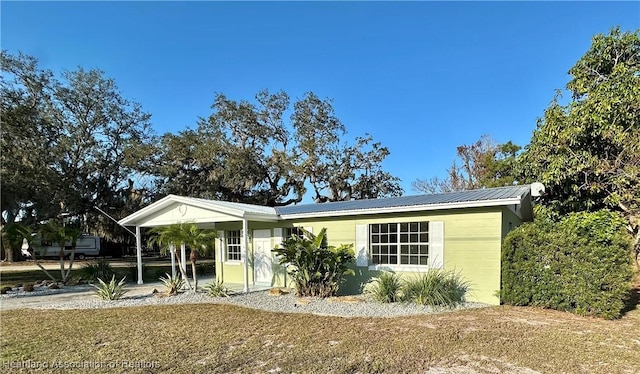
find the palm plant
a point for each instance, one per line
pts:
(199, 241)
(189, 235)
(16, 234)
(316, 268)
(60, 235)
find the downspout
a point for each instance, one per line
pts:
(139, 253)
(244, 252)
(220, 276)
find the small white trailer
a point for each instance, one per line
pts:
(86, 246)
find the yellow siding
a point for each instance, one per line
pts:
(472, 246)
(472, 241)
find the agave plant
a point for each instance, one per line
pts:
(172, 284)
(217, 289)
(111, 290)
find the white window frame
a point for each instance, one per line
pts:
(398, 243)
(230, 236)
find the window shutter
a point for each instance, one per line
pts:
(277, 237)
(362, 245)
(221, 245)
(436, 244)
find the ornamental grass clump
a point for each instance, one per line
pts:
(387, 288)
(316, 268)
(436, 288)
(110, 291)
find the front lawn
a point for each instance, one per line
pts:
(223, 338)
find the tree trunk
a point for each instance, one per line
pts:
(183, 271)
(195, 278)
(61, 256)
(35, 261)
(193, 256)
(71, 257)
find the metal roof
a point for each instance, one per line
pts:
(496, 196)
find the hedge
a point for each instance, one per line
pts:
(579, 264)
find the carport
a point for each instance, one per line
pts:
(174, 209)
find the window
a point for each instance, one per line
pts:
(291, 231)
(404, 243)
(234, 251)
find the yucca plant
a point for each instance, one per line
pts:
(172, 285)
(111, 290)
(217, 289)
(387, 288)
(316, 268)
(436, 288)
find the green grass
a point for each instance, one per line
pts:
(212, 338)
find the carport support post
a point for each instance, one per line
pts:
(183, 258)
(245, 257)
(139, 253)
(172, 249)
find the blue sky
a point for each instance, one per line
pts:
(421, 77)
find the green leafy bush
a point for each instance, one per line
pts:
(580, 264)
(111, 290)
(386, 288)
(217, 289)
(316, 268)
(172, 285)
(436, 288)
(96, 269)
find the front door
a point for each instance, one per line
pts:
(262, 257)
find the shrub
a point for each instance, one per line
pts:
(111, 290)
(96, 269)
(172, 285)
(579, 264)
(386, 288)
(316, 268)
(436, 288)
(206, 268)
(217, 289)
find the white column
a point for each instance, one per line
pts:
(245, 257)
(183, 259)
(139, 253)
(172, 249)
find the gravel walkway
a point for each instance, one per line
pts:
(83, 297)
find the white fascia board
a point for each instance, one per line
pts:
(261, 217)
(130, 219)
(409, 208)
(171, 199)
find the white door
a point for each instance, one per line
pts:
(262, 256)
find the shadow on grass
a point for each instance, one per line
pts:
(633, 300)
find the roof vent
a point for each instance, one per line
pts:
(537, 189)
